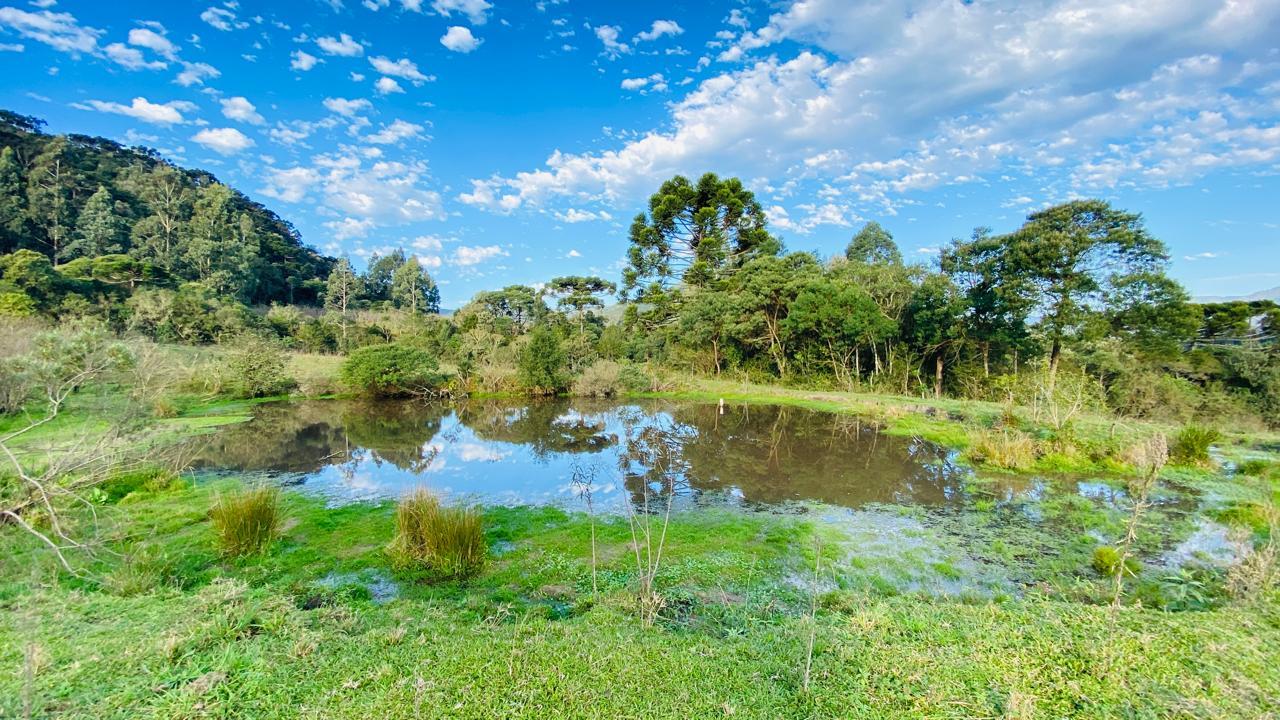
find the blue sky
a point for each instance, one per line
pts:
(510, 142)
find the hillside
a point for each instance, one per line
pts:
(1272, 294)
(75, 196)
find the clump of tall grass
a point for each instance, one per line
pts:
(448, 541)
(1191, 446)
(246, 521)
(1007, 449)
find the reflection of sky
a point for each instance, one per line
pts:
(467, 468)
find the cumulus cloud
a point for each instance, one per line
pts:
(346, 107)
(468, 255)
(404, 68)
(658, 29)
(342, 45)
(350, 228)
(241, 110)
(608, 36)
(395, 132)
(654, 82)
(476, 11)
(222, 19)
(145, 37)
(59, 31)
(140, 108)
(131, 58)
(574, 215)
(302, 61)
(224, 141)
(459, 39)
(290, 185)
(891, 98)
(196, 74)
(387, 86)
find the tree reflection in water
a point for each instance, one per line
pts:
(500, 450)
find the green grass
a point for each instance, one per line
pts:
(245, 521)
(171, 629)
(448, 542)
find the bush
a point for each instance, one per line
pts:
(601, 379)
(255, 367)
(1191, 446)
(392, 371)
(542, 362)
(1106, 560)
(449, 542)
(1255, 467)
(246, 521)
(1006, 449)
(15, 387)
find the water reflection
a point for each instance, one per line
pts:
(526, 452)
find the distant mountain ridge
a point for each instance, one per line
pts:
(1272, 294)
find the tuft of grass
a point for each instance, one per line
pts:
(1006, 449)
(1191, 446)
(1254, 467)
(246, 521)
(447, 541)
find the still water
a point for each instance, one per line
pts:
(520, 452)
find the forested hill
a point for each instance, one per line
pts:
(75, 199)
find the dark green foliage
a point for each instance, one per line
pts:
(873, 245)
(257, 368)
(542, 362)
(392, 370)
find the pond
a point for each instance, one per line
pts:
(520, 452)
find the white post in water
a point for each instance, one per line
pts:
(721, 406)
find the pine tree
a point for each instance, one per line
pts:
(99, 229)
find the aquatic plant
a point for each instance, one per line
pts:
(246, 521)
(1191, 446)
(447, 541)
(1005, 448)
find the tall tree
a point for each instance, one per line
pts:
(836, 319)
(13, 201)
(167, 197)
(342, 290)
(413, 288)
(873, 245)
(220, 244)
(997, 307)
(932, 322)
(50, 189)
(708, 319)
(379, 277)
(579, 293)
(693, 235)
(1069, 256)
(765, 288)
(100, 229)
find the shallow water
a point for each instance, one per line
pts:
(518, 452)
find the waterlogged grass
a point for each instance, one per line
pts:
(322, 624)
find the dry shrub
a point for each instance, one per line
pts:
(601, 379)
(1006, 449)
(246, 521)
(447, 541)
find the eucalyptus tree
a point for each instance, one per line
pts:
(764, 290)
(342, 291)
(413, 288)
(100, 229)
(873, 245)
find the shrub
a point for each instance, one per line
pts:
(1255, 467)
(392, 370)
(542, 362)
(255, 367)
(1191, 446)
(1106, 560)
(601, 379)
(1007, 449)
(246, 521)
(447, 541)
(15, 387)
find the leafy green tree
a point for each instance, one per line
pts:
(13, 201)
(932, 322)
(1068, 256)
(579, 293)
(221, 244)
(873, 245)
(542, 361)
(100, 230)
(890, 286)
(765, 288)
(167, 198)
(512, 309)
(996, 318)
(1151, 313)
(342, 291)
(380, 276)
(392, 370)
(836, 319)
(50, 187)
(413, 288)
(693, 235)
(33, 274)
(708, 319)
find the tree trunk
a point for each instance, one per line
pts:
(715, 354)
(986, 359)
(1055, 355)
(937, 376)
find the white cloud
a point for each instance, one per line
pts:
(154, 41)
(350, 228)
(140, 108)
(387, 86)
(222, 19)
(241, 110)
(466, 256)
(1201, 256)
(395, 132)
(403, 68)
(60, 31)
(378, 194)
(196, 74)
(290, 185)
(346, 107)
(574, 215)
(131, 58)
(660, 28)
(653, 82)
(224, 141)
(902, 96)
(12, 47)
(302, 61)
(459, 39)
(608, 36)
(342, 45)
(477, 11)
